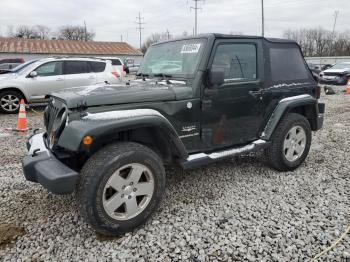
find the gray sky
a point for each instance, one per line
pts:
(111, 18)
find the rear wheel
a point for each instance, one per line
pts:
(10, 101)
(290, 143)
(120, 187)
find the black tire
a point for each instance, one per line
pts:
(275, 155)
(95, 174)
(6, 109)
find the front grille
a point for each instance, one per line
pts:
(51, 113)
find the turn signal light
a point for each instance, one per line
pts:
(87, 140)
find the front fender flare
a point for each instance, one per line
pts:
(107, 123)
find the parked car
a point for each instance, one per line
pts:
(233, 95)
(338, 74)
(17, 68)
(326, 66)
(117, 64)
(315, 70)
(36, 80)
(10, 63)
(134, 68)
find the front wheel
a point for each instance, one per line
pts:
(120, 187)
(10, 101)
(290, 143)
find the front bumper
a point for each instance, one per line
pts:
(41, 166)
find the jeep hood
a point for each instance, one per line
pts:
(137, 92)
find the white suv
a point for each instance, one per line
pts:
(44, 76)
(117, 65)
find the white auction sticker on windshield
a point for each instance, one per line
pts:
(190, 48)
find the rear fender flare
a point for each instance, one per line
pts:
(284, 106)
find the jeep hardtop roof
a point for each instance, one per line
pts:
(227, 36)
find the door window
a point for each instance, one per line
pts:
(115, 62)
(238, 61)
(49, 69)
(76, 67)
(97, 67)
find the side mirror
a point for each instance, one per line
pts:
(33, 74)
(216, 77)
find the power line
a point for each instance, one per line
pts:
(140, 28)
(195, 14)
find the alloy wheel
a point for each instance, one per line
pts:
(294, 143)
(128, 191)
(9, 103)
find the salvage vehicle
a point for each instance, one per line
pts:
(338, 74)
(233, 95)
(36, 80)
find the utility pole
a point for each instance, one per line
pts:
(121, 38)
(335, 21)
(85, 31)
(262, 19)
(195, 14)
(139, 28)
(168, 34)
(333, 31)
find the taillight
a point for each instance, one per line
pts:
(317, 92)
(116, 74)
(124, 68)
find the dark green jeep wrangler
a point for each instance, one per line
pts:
(194, 101)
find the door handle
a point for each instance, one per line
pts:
(91, 77)
(256, 93)
(59, 79)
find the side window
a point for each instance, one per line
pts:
(237, 60)
(50, 69)
(76, 67)
(97, 67)
(287, 64)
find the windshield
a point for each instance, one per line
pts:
(21, 66)
(177, 58)
(341, 66)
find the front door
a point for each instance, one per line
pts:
(232, 113)
(49, 79)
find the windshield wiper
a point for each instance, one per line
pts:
(162, 75)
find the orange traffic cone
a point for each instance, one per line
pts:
(22, 117)
(348, 87)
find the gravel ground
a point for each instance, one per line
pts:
(235, 210)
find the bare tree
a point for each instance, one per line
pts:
(320, 42)
(43, 31)
(27, 32)
(154, 38)
(70, 32)
(10, 32)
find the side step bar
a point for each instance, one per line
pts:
(200, 159)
